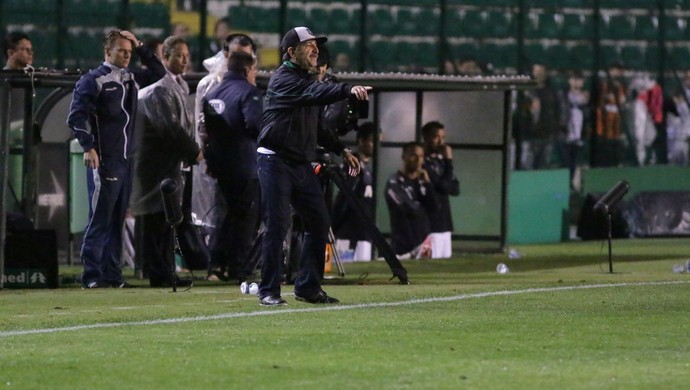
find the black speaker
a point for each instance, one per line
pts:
(31, 259)
(593, 225)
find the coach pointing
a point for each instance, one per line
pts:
(286, 147)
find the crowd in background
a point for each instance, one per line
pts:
(614, 120)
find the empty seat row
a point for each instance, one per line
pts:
(380, 21)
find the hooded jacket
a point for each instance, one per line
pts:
(292, 111)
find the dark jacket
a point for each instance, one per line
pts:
(409, 204)
(98, 101)
(292, 110)
(232, 115)
(152, 69)
(104, 104)
(445, 184)
(346, 222)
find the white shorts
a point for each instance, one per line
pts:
(441, 245)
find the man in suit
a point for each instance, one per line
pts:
(166, 140)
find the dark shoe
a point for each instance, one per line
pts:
(95, 285)
(122, 285)
(319, 297)
(272, 301)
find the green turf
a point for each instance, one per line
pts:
(542, 331)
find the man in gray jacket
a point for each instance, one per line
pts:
(165, 141)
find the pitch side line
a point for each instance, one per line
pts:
(327, 308)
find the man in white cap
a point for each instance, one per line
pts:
(286, 147)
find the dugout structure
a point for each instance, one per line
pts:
(475, 110)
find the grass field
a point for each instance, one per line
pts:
(558, 319)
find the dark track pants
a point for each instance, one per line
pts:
(109, 188)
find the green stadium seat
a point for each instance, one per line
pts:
(577, 3)
(475, 24)
(610, 54)
(577, 26)
(297, 17)
(633, 57)
(534, 52)
(381, 56)
(676, 28)
(542, 3)
(480, 3)
(503, 24)
(342, 22)
(646, 28)
(405, 55)
(498, 56)
(240, 18)
(542, 25)
(406, 23)
(255, 19)
(154, 15)
(627, 4)
(678, 56)
(582, 57)
(652, 56)
(380, 21)
(558, 57)
(426, 54)
(428, 21)
(617, 27)
(318, 21)
(454, 23)
(336, 47)
(464, 51)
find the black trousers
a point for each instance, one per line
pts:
(156, 244)
(230, 245)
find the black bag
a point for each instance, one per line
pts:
(194, 251)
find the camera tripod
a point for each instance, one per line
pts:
(332, 172)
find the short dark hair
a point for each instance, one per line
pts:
(411, 146)
(324, 56)
(366, 130)
(12, 40)
(169, 44)
(239, 61)
(431, 128)
(152, 43)
(239, 39)
(223, 20)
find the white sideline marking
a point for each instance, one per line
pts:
(278, 311)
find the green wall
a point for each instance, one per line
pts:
(538, 204)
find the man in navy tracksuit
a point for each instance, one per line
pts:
(287, 146)
(232, 119)
(101, 117)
